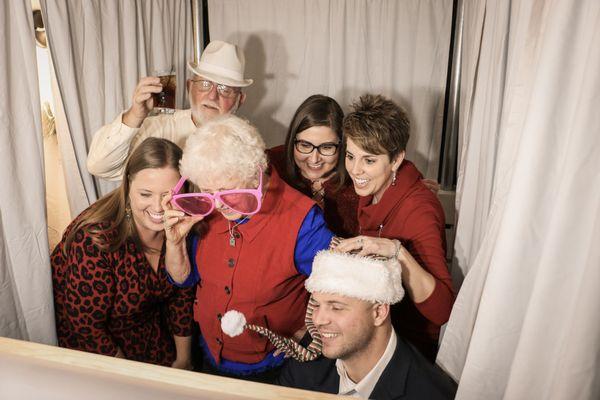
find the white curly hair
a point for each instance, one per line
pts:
(224, 149)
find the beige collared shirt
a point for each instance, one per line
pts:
(110, 144)
(364, 388)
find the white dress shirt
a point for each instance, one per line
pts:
(366, 385)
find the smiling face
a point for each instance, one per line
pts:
(371, 173)
(210, 104)
(347, 325)
(146, 191)
(314, 165)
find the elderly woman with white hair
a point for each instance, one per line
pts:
(253, 254)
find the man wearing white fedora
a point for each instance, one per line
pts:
(215, 89)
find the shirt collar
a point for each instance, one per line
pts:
(365, 387)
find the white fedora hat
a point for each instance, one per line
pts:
(223, 63)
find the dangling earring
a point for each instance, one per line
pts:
(128, 212)
(394, 178)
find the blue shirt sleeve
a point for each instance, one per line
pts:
(194, 276)
(313, 236)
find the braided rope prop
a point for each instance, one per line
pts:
(234, 323)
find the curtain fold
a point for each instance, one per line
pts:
(100, 49)
(342, 48)
(26, 307)
(485, 40)
(525, 324)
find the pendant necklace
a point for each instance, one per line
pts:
(232, 229)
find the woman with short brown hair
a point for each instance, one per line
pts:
(398, 217)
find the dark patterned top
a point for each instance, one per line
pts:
(109, 300)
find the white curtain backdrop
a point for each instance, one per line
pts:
(26, 308)
(100, 49)
(485, 40)
(526, 322)
(342, 48)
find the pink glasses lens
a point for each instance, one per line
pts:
(245, 203)
(194, 205)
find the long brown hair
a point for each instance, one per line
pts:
(109, 219)
(316, 110)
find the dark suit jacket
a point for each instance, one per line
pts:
(408, 375)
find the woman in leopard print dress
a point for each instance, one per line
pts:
(111, 291)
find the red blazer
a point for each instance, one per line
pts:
(340, 204)
(410, 212)
(257, 276)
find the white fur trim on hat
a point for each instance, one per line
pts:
(377, 281)
(223, 63)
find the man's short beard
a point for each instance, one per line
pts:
(200, 118)
(359, 345)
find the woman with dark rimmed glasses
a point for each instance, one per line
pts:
(310, 162)
(255, 251)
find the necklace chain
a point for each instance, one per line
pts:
(231, 230)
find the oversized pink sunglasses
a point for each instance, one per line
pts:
(243, 201)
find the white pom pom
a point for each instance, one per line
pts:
(233, 323)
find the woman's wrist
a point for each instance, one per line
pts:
(183, 363)
(183, 358)
(177, 263)
(175, 241)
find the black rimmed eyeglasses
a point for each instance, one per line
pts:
(325, 149)
(223, 90)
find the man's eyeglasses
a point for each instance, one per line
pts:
(223, 90)
(325, 149)
(243, 201)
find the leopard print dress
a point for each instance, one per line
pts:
(110, 300)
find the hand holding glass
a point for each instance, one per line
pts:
(164, 101)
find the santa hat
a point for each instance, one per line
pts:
(234, 323)
(364, 278)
